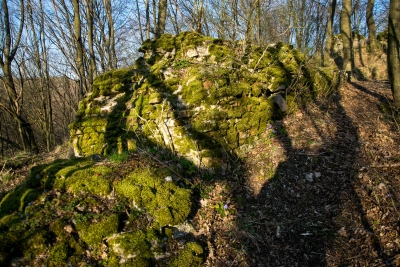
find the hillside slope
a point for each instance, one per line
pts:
(318, 186)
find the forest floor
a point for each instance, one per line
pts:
(320, 188)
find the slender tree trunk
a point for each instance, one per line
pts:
(329, 32)
(371, 27)
(79, 49)
(250, 23)
(104, 48)
(174, 21)
(199, 17)
(90, 28)
(50, 138)
(147, 19)
(259, 32)
(223, 20)
(111, 34)
(235, 19)
(206, 26)
(162, 16)
(345, 32)
(394, 50)
(155, 18)
(40, 54)
(7, 55)
(139, 21)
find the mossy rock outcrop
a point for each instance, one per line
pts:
(71, 211)
(197, 96)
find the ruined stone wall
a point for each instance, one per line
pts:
(199, 97)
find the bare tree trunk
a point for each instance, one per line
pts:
(394, 50)
(90, 27)
(139, 21)
(371, 27)
(222, 20)
(111, 34)
(206, 26)
(174, 18)
(162, 16)
(155, 18)
(104, 47)
(249, 22)
(79, 48)
(345, 31)
(329, 32)
(41, 60)
(147, 20)
(7, 55)
(199, 16)
(259, 22)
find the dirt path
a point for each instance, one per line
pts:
(321, 189)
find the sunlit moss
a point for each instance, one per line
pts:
(85, 180)
(165, 201)
(135, 247)
(17, 200)
(94, 233)
(190, 256)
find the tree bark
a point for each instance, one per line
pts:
(199, 17)
(147, 20)
(162, 16)
(139, 21)
(345, 32)
(259, 16)
(79, 49)
(394, 50)
(371, 27)
(111, 34)
(329, 32)
(90, 28)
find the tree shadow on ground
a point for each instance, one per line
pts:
(294, 219)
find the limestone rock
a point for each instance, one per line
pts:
(169, 100)
(280, 101)
(192, 53)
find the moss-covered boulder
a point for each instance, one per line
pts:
(93, 233)
(196, 96)
(189, 256)
(71, 212)
(134, 248)
(167, 203)
(89, 180)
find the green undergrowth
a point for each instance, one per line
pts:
(72, 212)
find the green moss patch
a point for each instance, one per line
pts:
(93, 233)
(134, 248)
(190, 255)
(87, 180)
(167, 203)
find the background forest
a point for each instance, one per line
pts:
(51, 50)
